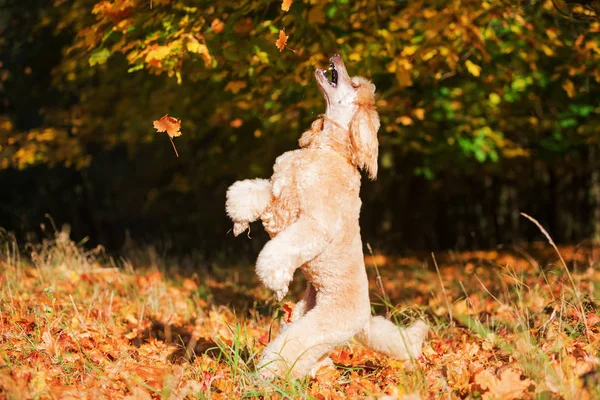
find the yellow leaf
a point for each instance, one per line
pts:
(235, 86)
(285, 5)
(158, 53)
(474, 69)
(405, 120)
(592, 45)
(569, 88)
(409, 50)
(429, 54)
(402, 70)
(428, 13)
(354, 57)
(193, 46)
(547, 50)
(419, 113)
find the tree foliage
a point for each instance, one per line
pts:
(457, 80)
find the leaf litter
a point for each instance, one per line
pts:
(75, 325)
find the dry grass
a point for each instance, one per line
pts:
(76, 324)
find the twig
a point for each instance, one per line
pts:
(77, 312)
(380, 281)
(443, 289)
(173, 143)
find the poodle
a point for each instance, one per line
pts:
(310, 207)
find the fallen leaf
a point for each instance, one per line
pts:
(508, 386)
(282, 41)
(288, 310)
(285, 5)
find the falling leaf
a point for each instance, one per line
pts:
(285, 5)
(236, 123)
(474, 69)
(282, 41)
(170, 125)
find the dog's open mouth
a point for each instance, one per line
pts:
(334, 74)
(333, 81)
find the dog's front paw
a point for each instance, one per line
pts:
(240, 227)
(273, 272)
(280, 294)
(277, 280)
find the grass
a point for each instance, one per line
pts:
(74, 322)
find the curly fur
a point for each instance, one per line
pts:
(310, 207)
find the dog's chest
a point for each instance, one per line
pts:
(285, 207)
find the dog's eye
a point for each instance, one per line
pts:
(355, 85)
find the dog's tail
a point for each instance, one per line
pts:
(382, 335)
(246, 201)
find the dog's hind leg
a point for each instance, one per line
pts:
(382, 335)
(302, 307)
(246, 201)
(297, 350)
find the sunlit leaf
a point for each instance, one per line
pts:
(282, 40)
(473, 69)
(285, 5)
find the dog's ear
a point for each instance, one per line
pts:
(308, 136)
(363, 129)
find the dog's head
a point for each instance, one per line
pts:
(351, 102)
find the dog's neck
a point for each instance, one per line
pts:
(333, 136)
(331, 132)
(340, 116)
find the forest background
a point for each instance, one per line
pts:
(488, 109)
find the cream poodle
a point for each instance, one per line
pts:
(310, 208)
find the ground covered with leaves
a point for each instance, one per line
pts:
(505, 324)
